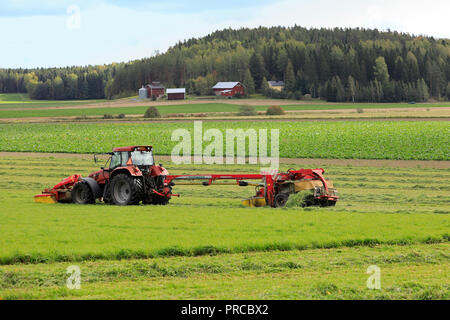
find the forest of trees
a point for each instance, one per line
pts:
(358, 65)
(57, 83)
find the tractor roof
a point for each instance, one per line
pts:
(133, 148)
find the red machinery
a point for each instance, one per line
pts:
(129, 178)
(274, 190)
(59, 193)
(132, 177)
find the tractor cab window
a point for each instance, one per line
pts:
(125, 158)
(119, 159)
(142, 158)
(115, 160)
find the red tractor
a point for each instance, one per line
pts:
(131, 176)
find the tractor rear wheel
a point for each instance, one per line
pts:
(82, 194)
(126, 190)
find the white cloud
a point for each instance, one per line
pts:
(111, 33)
(412, 16)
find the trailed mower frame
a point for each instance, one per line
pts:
(275, 189)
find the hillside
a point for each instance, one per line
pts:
(336, 65)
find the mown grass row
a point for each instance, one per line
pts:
(310, 274)
(22, 276)
(178, 251)
(274, 261)
(36, 233)
(367, 188)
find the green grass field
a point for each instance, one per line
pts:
(20, 100)
(406, 140)
(177, 109)
(205, 245)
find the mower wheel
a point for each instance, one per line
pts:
(126, 190)
(328, 203)
(147, 201)
(82, 194)
(281, 200)
(160, 201)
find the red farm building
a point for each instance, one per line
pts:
(229, 89)
(155, 89)
(176, 94)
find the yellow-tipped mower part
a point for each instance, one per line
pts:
(254, 202)
(44, 198)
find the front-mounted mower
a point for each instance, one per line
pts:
(132, 177)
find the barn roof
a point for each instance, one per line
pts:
(276, 83)
(226, 85)
(156, 85)
(178, 90)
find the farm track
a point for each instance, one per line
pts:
(298, 161)
(284, 120)
(258, 103)
(48, 120)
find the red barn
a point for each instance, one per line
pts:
(229, 89)
(155, 89)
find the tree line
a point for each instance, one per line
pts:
(360, 65)
(73, 83)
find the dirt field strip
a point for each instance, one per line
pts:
(312, 162)
(292, 117)
(251, 102)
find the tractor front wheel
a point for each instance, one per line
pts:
(126, 190)
(82, 194)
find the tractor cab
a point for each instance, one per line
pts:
(140, 157)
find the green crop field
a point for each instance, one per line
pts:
(406, 140)
(206, 245)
